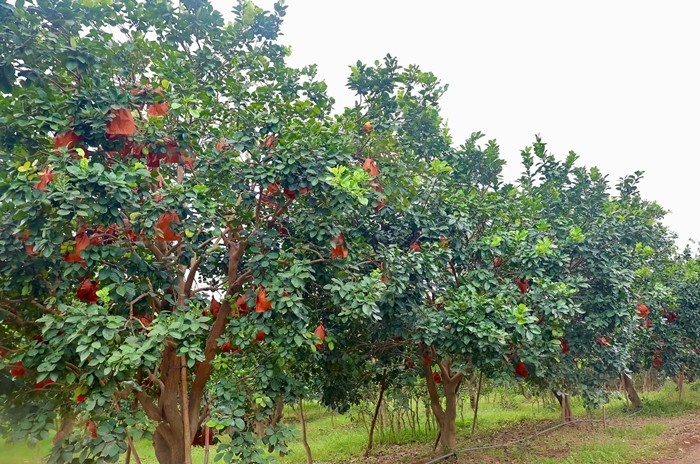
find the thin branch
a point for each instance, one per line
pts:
(204, 289)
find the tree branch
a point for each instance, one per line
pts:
(149, 407)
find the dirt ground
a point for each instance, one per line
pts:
(680, 444)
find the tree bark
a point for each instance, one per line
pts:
(262, 425)
(680, 379)
(207, 433)
(565, 405)
(382, 385)
(476, 403)
(184, 408)
(168, 447)
(631, 391)
(304, 441)
(66, 427)
(566, 410)
(447, 417)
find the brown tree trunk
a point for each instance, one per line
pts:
(382, 385)
(566, 410)
(168, 447)
(476, 402)
(448, 428)
(207, 434)
(262, 425)
(447, 417)
(680, 379)
(184, 409)
(631, 391)
(565, 405)
(66, 427)
(304, 441)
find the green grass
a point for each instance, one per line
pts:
(23, 454)
(336, 438)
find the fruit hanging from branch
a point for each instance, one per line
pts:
(521, 369)
(68, 140)
(92, 428)
(45, 177)
(320, 333)
(163, 230)
(87, 291)
(18, 369)
(214, 307)
(642, 310)
(564, 345)
(270, 142)
(340, 249)
(121, 124)
(371, 167)
(81, 242)
(523, 284)
(242, 304)
(40, 385)
(262, 304)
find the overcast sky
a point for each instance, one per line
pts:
(618, 82)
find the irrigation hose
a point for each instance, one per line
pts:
(528, 438)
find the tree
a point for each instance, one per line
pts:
(441, 217)
(166, 209)
(603, 236)
(665, 337)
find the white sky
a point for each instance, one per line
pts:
(618, 82)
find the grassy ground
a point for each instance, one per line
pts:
(625, 439)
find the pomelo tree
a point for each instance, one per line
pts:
(167, 207)
(668, 295)
(605, 234)
(451, 244)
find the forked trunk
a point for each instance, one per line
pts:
(447, 417)
(631, 391)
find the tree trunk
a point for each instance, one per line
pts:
(207, 434)
(679, 385)
(382, 385)
(631, 391)
(448, 429)
(184, 409)
(262, 425)
(168, 447)
(66, 427)
(304, 441)
(565, 405)
(447, 417)
(566, 410)
(476, 402)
